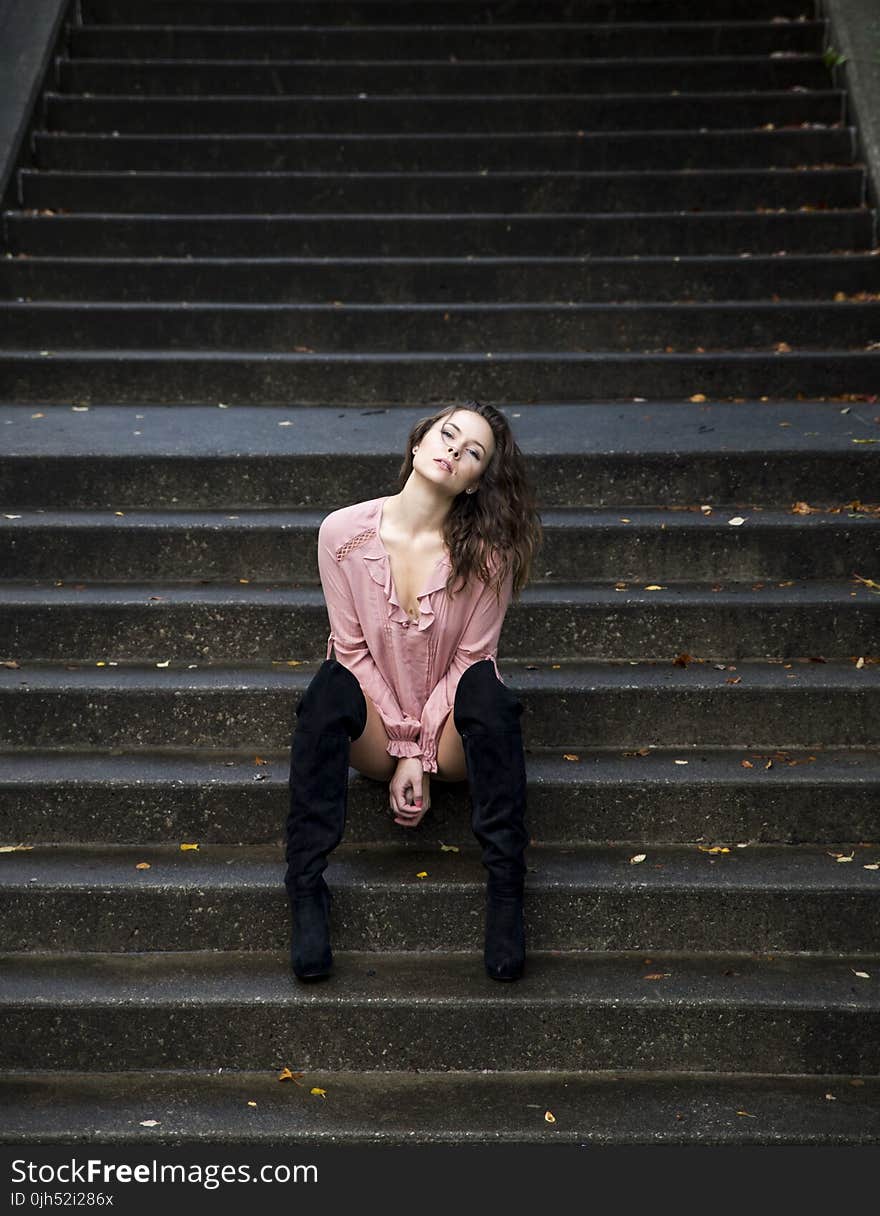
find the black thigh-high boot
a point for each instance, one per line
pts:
(486, 715)
(330, 714)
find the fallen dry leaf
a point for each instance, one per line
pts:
(637, 858)
(549, 1117)
(287, 1075)
(16, 848)
(142, 865)
(184, 847)
(321, 1093)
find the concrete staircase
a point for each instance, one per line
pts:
(251, 242)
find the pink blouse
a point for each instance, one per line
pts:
(410, 669)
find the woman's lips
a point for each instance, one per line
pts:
(443, 463)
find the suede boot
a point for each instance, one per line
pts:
(330, 714)
(486, 715)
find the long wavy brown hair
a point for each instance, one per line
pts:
(498, 528)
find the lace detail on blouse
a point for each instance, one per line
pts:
(353, 542)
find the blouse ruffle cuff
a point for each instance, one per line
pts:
(404, 747)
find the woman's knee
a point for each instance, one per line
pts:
(332, 701)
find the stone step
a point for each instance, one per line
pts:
(643, 543)
(302, 113)
(667, 796)
(379, 1108)
(649, 327)
(617, 456)
(223, 623)
(392, 12)
(547, 150)
(841, 232)
(365, 194)
(780, 1014)
(235, 64)
(424, 1107)
(186, 377)
(568, 705)
(758, 898)
(458, 44)
(761, 278)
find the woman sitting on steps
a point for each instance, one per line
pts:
(417, 585)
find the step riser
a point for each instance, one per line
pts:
(636, 627)
(391, 78)
(300, 281)
(501, 41)
(438, 1107)
(821, 1041)
(534, 193)
(548, 151)
(373, 329)
(392, 12)
(726, 716)
(160, 481)
(322, 115)
(649, 810)
(430, 236)
(141, 378)
(267, 554)
(378, 919)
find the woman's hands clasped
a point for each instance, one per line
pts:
(409, 792)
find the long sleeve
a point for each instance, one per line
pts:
(479, 640)
(353, 652)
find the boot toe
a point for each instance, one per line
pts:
(310, 954)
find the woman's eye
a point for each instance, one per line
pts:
(470, 450)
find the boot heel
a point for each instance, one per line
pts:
(504, 953)
(310, 953)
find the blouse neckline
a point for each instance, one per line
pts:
(379, 567)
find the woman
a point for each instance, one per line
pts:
(417, 585)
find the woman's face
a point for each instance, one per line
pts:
(463, 441)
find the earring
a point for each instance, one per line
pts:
(471, 491)
(415, 449)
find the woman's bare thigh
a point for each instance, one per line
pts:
(369, 753)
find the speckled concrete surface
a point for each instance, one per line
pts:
(430, 1107)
